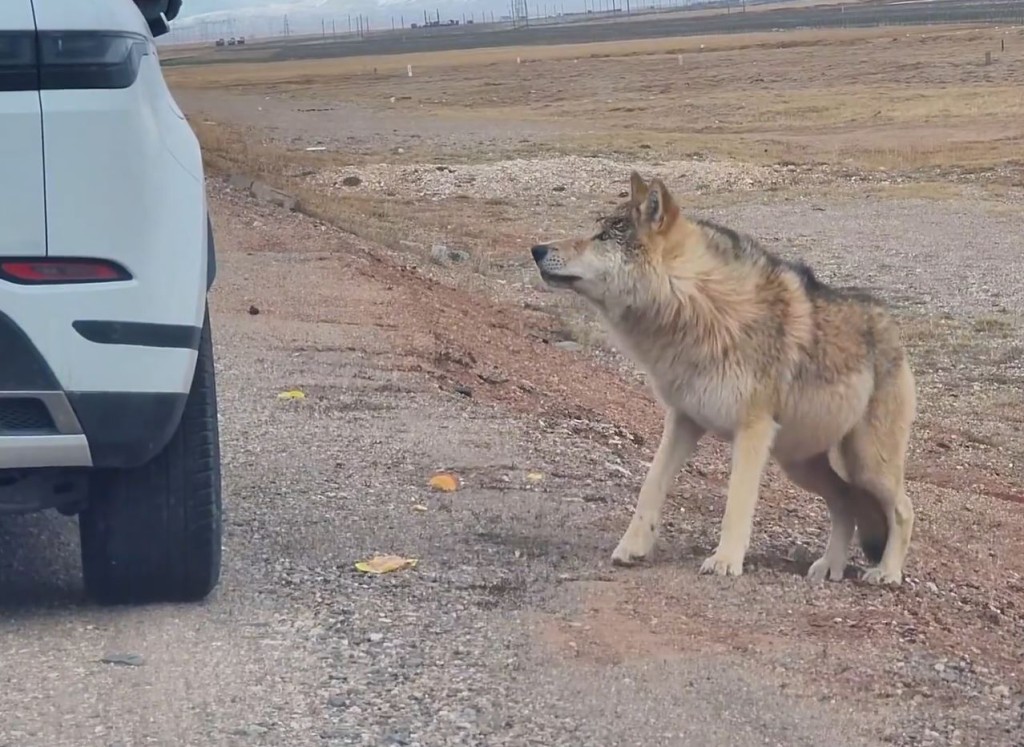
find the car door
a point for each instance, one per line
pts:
(22, 188)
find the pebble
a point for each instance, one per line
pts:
(443, 255)
(124, 660)
(375, 637)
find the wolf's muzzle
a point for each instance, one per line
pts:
(539, 252)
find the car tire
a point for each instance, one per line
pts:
(153, 533)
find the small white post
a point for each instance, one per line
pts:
(408, 69)
(518, 61)
(680, 58)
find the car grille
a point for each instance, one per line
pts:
(20, 416)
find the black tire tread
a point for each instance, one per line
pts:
(153, 533)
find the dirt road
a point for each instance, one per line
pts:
(507, 632)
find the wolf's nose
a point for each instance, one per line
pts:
(539, 252)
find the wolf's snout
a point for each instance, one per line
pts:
(539, 252)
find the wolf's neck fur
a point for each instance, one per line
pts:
(693, 301)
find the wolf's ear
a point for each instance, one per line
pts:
(658, 207)
(637, 188)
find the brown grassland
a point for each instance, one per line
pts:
(889, 158)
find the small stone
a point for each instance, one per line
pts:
(253, 730)
(442, 254)
(336, 701)
(930, 586)
(351, 181)
(1001, 691)
(940, 667)
(124, 660)
(253, 311)
(240, 181)
(568, 345)
(266, 193)
(559, 188)
(375, 637)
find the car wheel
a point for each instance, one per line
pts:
(153, 533)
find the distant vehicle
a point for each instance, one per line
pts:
(232, 42)
(241, 40)
(220, 42)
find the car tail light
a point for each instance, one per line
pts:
(62, 60)
(89, 59)
(56, 271)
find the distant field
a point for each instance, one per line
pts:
(678, 23)
(902, 99)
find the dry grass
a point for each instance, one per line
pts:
(902, 99)
(217, 74)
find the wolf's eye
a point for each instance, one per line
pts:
(604, 236)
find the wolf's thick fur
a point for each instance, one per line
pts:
(751, 347)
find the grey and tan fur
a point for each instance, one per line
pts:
(752, 347)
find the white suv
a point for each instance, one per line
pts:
(108, 404)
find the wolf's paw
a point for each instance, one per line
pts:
(823, 569)
(636, 544)
(723, 564)
(879, 576)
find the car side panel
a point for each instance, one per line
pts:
(22, 207)
(125, 183)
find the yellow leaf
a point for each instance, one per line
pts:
(444, 482)
(292, 394)
(385, 564)
(535, 476)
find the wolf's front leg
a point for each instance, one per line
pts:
(751, 447)
(678, 440)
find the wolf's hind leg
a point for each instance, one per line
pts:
(678, 440)
(874, 453)
(815, 475)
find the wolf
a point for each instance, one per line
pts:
(739, 342)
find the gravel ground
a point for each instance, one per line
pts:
(297, 648)
(512, 629)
